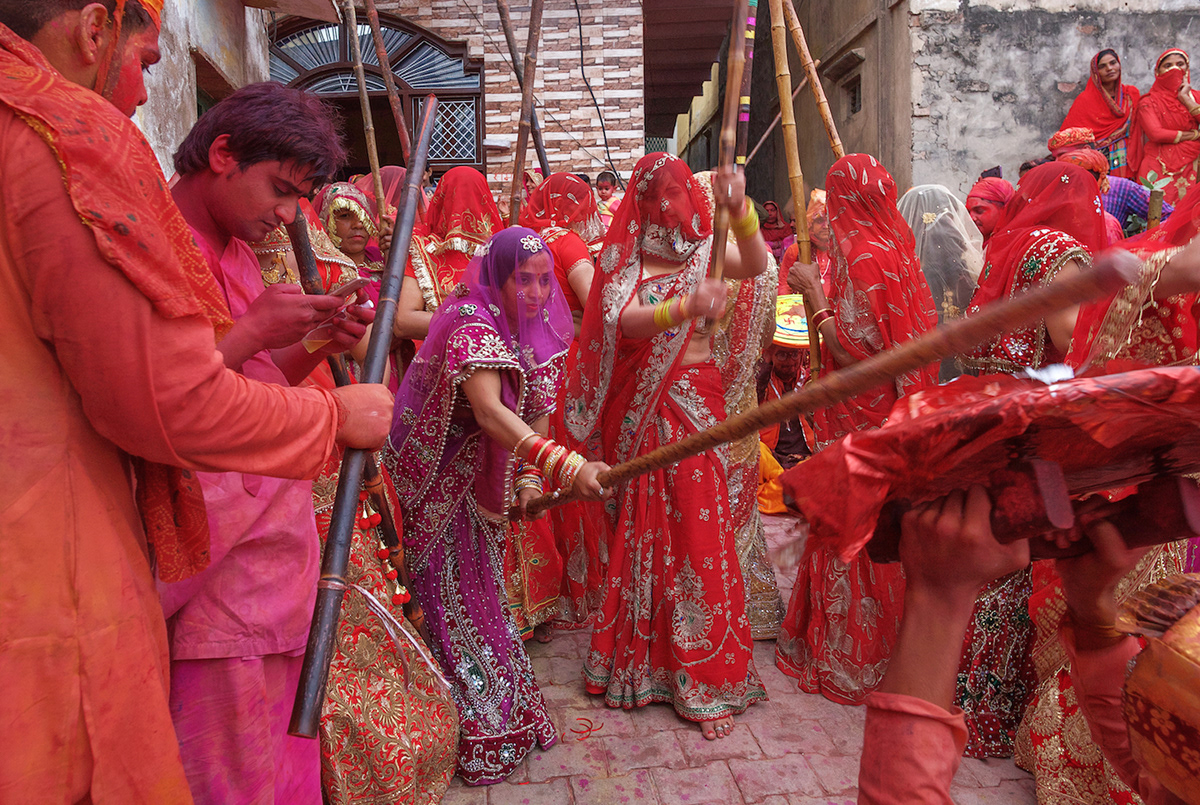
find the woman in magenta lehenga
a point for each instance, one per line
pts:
(671, 626)
(489, 369)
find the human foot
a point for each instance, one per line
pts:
(543, 633)
(717, 728)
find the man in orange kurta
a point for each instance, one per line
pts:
(107, 317)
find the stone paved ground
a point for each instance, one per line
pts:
(796, 749)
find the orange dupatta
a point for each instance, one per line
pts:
(118, 190)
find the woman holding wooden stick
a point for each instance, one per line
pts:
(473, 402)
(671, 626)
(843, 619)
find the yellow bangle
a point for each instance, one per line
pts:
(664, 319)
(745, 227)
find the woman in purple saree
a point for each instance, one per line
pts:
(476, 397)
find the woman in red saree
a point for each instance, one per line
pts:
(389, 726)
(563, 211)
(1147, 323)
(1167, 117)
(559, 574)
(1107, 107)
(460, 218)
(843, 619)
(671, 626)
(1052, 226)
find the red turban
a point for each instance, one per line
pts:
(1069, 139)
(1087, 158)
(992, 188)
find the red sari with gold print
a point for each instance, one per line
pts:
(843, 618)
(671, 625)
(1125, 330)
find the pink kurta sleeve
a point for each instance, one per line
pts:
(911, 750)
(156, 387)
(1098, 676)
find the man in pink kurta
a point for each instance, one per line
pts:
(239, 628)
(101, 362)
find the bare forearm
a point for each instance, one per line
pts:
(748, 258)
(412, 324)
(925, 662)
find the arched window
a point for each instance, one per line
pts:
(315, 56)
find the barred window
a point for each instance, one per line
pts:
(315, 56)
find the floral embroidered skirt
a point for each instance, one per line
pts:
(672, 623)
(995, 676)
(460, 585)
(841, 625)
(533, 573)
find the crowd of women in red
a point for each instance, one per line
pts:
(529, 359)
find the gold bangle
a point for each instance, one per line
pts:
(663, 318)
(522, 440)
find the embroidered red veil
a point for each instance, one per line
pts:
(566, 201)
(461, 217)
(660, 183)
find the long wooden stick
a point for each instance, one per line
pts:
(394, 101)
(310, 280)
(743, 128)
(775, 121)
(515, 55)
(814, 80)
(389, 80)
(531, 56)
(1110, 272)
(364, 101)
(727, 153)
(331, 589)
(791, 147)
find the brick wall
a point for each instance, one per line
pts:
(612, 44)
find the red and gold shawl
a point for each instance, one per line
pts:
(119, 192)
(880, 297)
(462, 216)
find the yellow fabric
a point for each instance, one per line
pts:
(770, 492)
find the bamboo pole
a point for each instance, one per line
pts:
(775, 121)
(310, 280)
(389, 80)
(1112, 271)
(791, 147)
(515, 55)
(331, 589)
(397, 106)
(814, 80)
(531, 57)
(364, 101)
(727, 153)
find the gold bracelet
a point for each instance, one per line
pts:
(570, 469)
(521, 441)
(745, 227)
(663, 318)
